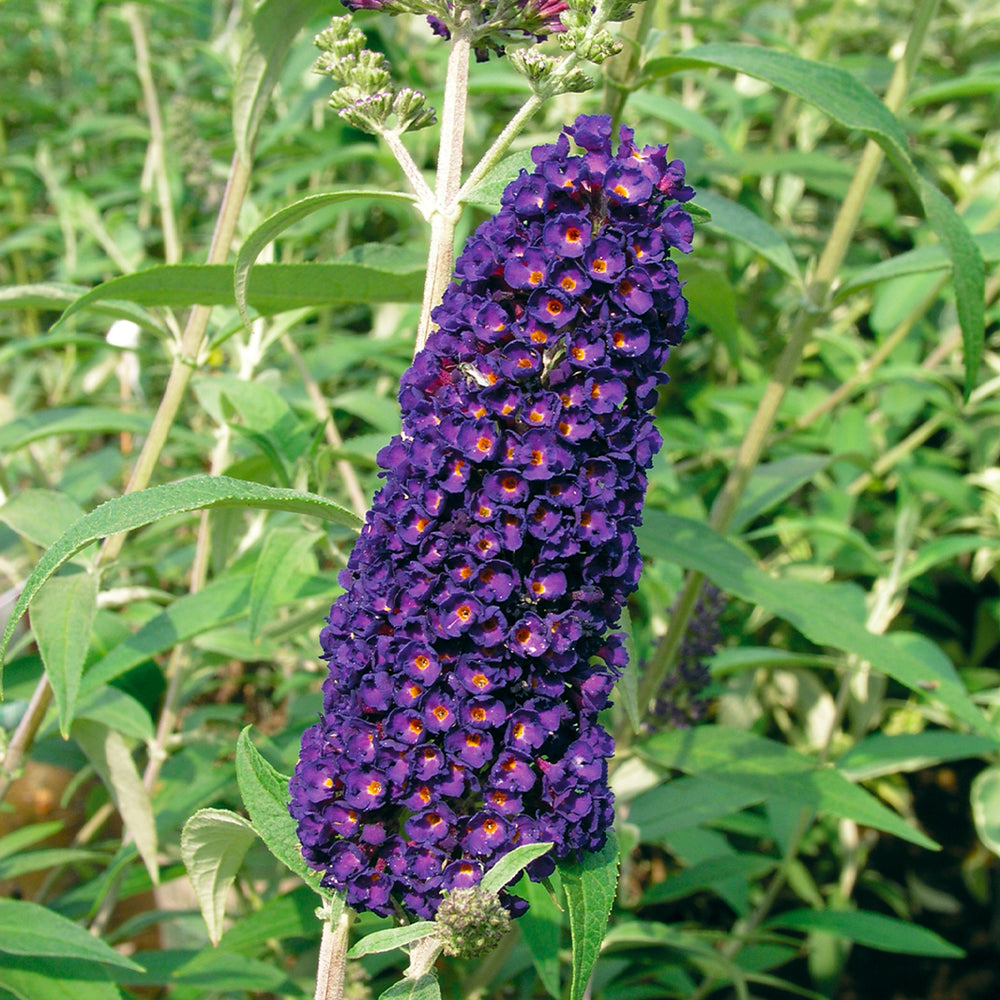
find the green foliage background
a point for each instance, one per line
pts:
(782, 847)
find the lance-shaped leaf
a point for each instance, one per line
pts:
(213, 845)
(379, 274)
(590, 887)
(61, 619)
(112, 760)
(280, 221)
(265, 795)
(33, 930)
(841, 97)
(270, 34)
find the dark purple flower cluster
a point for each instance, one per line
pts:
(470, 655)
(681, 701)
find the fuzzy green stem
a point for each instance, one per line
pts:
(332, 959)
(449, 181)
(752, 446)
(501, 143)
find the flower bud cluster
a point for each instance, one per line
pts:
(681, 701)
(470, 654)
(471, 922)
(366, 97)
(489, 26)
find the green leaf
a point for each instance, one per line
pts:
(985, 797)
(279, 561)
(881, 754)
(390, 274)
(61, 618)
(590, 887)
(922, 260)
(872, 930)
(512, 864)
(705, 874)
(486, 194)
(815, 609)
(265, 795)
(52, 978)
(392, 938)
(973, 84)
(838, 95)
(47, 858)
(424, 988)
(939, 550)
(834, 91)
(292, 914)
(541, 931)
(270, 34)
(134, 510)
(210, 972)
(112, 760)
(734, 221)
(218, 603)
(56, 295)
(23, 838)
(773, 482)
(968, 275)
(29, 929)
(752, 763)
(41, 516)
(280, 221)
(118, 711)
(682, 803)
(213, 845)
(87, 420)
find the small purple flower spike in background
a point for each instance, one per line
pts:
(470, 654)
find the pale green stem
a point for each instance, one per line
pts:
(757, 434)
(448, 183)
(137, 25)
(501, 143)
(909, 444)
(425, 196)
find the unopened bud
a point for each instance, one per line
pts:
(471, 922)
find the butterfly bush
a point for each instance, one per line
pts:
(473, 647)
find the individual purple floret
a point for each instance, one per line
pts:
(471, 654)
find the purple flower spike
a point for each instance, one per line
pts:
(474, 645)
